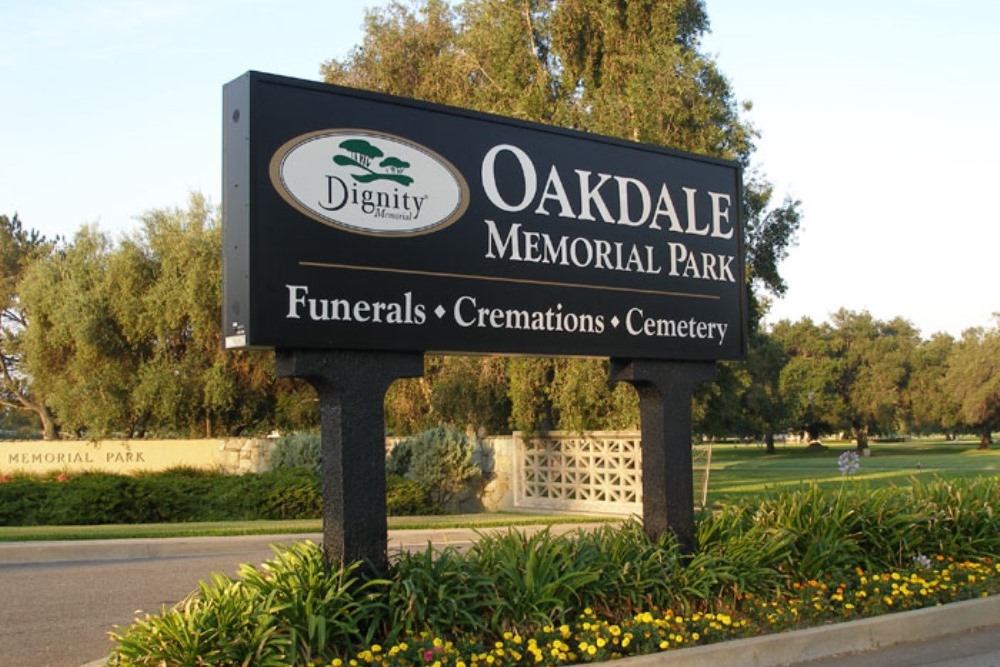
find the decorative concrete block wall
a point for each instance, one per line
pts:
(593, 472)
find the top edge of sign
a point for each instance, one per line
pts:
(258, 77)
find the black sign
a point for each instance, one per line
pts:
(358, 221)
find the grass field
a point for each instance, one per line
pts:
(742, 471)
(301, 526)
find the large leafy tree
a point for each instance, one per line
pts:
(877, 358)
(19, 248)
(931, 407)
(811, 380)
(79, 354)
(973, 378)
(187, 383)
(631, 70)
(125, 338)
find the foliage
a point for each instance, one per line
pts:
(973, 379)
(125, 339)
(297, 450)
(178, 495)
(293, 611)
(440, 460)
(19, 248)
(629, 70)
(405, 497)
(457, 391)
(788, 561)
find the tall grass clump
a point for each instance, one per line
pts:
(794, 559)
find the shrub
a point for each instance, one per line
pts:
(297, 450)
(178, 495)
(292, 611)
(442, 462)
(288, 493)
(404, 497)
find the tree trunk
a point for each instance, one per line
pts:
(985, 439)
(861, 438)
(49, 429)
(769, 441)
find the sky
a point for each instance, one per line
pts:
(879, 116)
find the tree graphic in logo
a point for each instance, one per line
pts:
(362, 154)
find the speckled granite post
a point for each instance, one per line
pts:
(351, 388)
(665, 389)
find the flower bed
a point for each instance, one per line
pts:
(792, 561)
(598, 638)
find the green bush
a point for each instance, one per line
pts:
(441, 460)
(288, 493)
(297, 450)
(292, 611)
(173, 496)
(404, 497)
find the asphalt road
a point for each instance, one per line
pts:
(978, 648)
(58, 612)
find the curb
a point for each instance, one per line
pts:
(851, 637)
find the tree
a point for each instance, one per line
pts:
(187, 382)
(78, 354)
(765, 408)
(125, 339)
(630, 70)
(810, 381)
(973, 378)
(931, 407)
(19, 247)
(877, 357)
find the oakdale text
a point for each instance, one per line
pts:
(608, 199)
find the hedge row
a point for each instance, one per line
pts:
(178, 495)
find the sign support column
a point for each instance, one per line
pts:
(665, 389)
(351, 387)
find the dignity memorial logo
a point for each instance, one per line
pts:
(369, 182)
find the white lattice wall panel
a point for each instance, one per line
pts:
(593, 472)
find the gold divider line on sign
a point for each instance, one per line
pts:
(495, 279)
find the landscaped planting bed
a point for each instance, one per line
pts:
(793, 560)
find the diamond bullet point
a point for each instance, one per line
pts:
(615, 321)
(440, 311)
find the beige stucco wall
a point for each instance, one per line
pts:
(130, 456)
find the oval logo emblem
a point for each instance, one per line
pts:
(369, 182)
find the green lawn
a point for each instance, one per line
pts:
(304, 526)
(741, 471)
